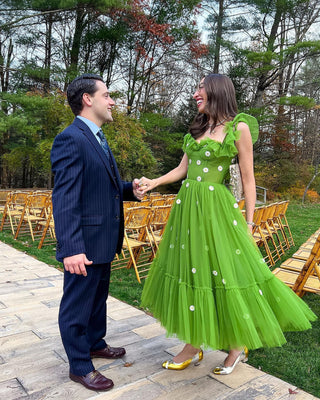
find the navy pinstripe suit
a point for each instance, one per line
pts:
(88, 213)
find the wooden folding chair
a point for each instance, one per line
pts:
(48, 225)
(158, 223)
(170, 199)
(33, 216)
(276, 229)
(276, 223)
(3, 198)
(283, 220)
(137, 244)
(271, 234)
(302, 275)
(241, 204)
(14, 207)
(259, 236)
(155, 202)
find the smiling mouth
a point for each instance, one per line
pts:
(199, 102)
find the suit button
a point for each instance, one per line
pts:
(117, 217)
(117, 196)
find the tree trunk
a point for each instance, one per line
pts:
(72, 70)
(218, 38)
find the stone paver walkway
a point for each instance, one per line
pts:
(33, 363)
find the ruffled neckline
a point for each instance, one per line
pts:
(227, 147)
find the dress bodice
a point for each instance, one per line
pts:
(209, 160)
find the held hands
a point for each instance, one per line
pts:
(137, 190)
(147, 184)
(77, 264)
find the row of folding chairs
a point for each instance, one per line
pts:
(301, 272)
(143, 231)
(271, 230)
(152, 200)
(29, 213)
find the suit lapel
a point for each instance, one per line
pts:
(94, 142)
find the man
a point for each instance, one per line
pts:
(88, 213)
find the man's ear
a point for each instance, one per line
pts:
(86, 99)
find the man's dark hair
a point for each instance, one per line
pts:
(85, 83)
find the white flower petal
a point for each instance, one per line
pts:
(194, 270)
(191, 308)
(211, 188)
(199, 178)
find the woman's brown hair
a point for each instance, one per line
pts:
(221, 103)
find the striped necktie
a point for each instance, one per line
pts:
(104, 144)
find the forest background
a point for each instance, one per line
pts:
(152, 54)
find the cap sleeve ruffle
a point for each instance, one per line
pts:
(250, 121)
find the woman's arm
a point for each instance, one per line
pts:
(172, 176)
(245, 155)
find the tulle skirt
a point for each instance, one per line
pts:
(209, 285)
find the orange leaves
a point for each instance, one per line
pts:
(138, 17)
(197, 48)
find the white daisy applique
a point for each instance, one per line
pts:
(205, 170)
(191, 308)
(211, 188)
(207, 153)
(220, 168)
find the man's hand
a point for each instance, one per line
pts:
(76, 264)
(137, 190)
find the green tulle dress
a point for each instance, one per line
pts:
(209, 285)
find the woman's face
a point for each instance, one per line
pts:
(200, 97)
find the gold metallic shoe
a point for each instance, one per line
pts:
(222, 370)
(180, 366)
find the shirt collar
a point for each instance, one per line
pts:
(91, 125)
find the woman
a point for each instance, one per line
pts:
(209, 284)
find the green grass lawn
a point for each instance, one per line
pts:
(297, 362)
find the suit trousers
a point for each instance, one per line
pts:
(83, 315)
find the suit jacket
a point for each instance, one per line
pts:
(87, 196)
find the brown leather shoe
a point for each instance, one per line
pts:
(108, 352)
(93, 381)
